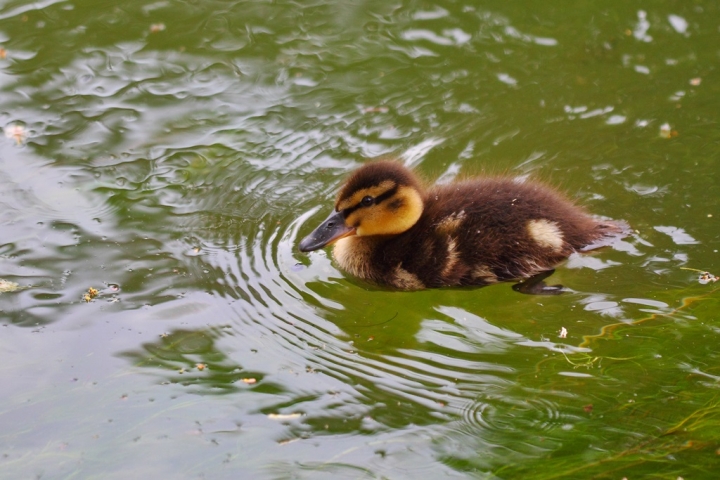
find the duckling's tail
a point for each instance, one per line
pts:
(608, 232)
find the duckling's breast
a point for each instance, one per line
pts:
(354, 254)
(374, 259)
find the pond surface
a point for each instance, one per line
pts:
(171, 154)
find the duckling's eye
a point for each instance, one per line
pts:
(367, 201)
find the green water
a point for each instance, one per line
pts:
(171, 154)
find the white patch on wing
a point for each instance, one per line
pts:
(451, 223)
(406, 280)
(452, 258)
(483, 272)
(546, 234)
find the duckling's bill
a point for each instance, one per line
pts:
(332, 229)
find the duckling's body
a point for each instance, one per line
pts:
(389, 230)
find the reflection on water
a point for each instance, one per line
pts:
(171, 154)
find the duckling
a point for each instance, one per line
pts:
(387, 228)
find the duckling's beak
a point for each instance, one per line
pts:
(333, 228)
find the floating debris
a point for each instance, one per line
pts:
(666, 131)
(563, 332)
(3, 54)
(157, 27)
(201, 366)
(90, 294)
(705, 277)
(380, 109)
(249, 381)
(284, 416)
(290, 440)
(8, 286)
(16, 131)
(695, 81)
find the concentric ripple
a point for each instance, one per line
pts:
(162, 159)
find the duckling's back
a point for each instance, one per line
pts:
(483, 231)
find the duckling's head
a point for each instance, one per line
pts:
(380, 198)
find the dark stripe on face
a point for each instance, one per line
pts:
(380, 198)
(384, 196)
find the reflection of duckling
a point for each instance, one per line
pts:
(390, 230)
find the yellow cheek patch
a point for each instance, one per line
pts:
(357, 197)
(354, 219)
(383, 220)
